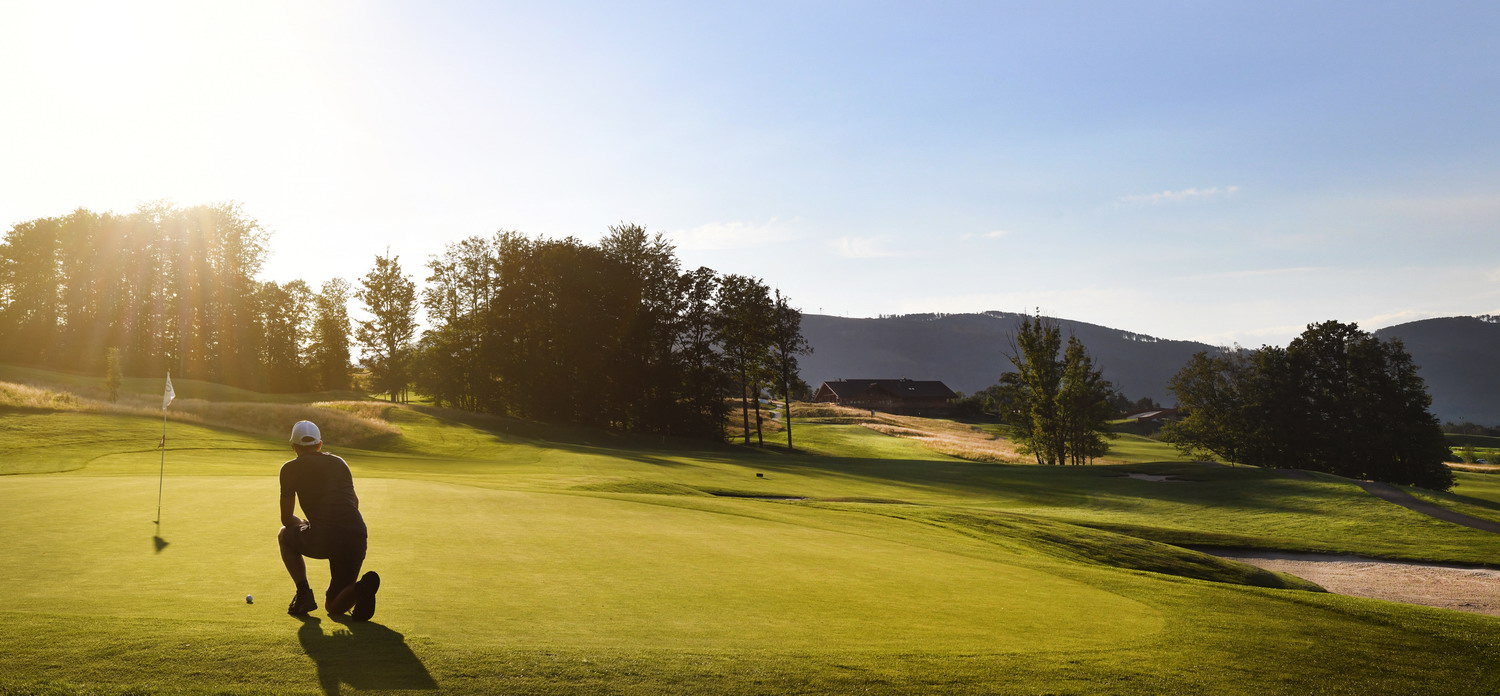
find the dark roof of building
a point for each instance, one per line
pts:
(899, 388)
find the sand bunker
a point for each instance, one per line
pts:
(1449, 587)
(1153, 477)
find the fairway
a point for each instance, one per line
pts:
(522, 559)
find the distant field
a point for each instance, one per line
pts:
(526, 558)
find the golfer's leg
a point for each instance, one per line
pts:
(292, 557)
(343, 570)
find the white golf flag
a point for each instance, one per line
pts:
(166, 399)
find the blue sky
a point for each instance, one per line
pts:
(1226, 172)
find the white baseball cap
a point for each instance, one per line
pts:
(306, 434)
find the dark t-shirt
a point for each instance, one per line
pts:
(325, 488)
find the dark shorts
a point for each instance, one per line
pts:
(343, 549)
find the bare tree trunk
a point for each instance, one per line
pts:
(745, 407)
(759, 437)
(786, 412)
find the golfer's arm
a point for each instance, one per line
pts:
(288, 500)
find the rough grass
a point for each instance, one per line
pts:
(347, 422)
(974, 442)
(939, 435)
(92, 386)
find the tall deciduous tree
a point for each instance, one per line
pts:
(1061, 397)
(786, 344)
(386, 338)
(745, 317)
(1083, 406)
(328, 347)
(458, 296)
(704, 370)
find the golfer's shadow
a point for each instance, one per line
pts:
(366, 656)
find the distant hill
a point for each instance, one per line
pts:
(967, 351)
(1459, 357)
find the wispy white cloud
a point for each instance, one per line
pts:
(863, 248)
(733, 234)
(1181, 196)
(992, 234)
(1252, 273)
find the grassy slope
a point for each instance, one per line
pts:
(153, 386)
(529, 560)
(1477, 495)
(1478, 441)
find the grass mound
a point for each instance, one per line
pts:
(1075, 543)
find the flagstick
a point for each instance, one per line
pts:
(166, 400)
(162, 476)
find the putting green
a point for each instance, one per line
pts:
(475, 566)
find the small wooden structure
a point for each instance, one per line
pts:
(909, 397)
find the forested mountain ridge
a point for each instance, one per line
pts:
(967, 351)
(1459, 357)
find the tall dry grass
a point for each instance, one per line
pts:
(339, 423)
(941, 436)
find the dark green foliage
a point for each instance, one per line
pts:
(386, 338)
(1123, 406)
(745, 313)
(328, 349)
(1001, 401)
(1337, 399)
(613, 335)
(786, 344)
(1060, 400)
(284, 314)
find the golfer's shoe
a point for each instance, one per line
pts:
(302, 603)
(364, 596)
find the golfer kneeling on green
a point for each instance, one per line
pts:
(334, 529)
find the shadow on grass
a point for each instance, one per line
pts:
(156, 540)
(364, 655)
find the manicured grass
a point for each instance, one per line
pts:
(524, 558)
(1139, 449)
(1482, 486)
(1477, 495)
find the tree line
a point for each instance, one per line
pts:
(1336, 400)
(172, 289)
(614, 334)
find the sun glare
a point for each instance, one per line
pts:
(169, 99)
